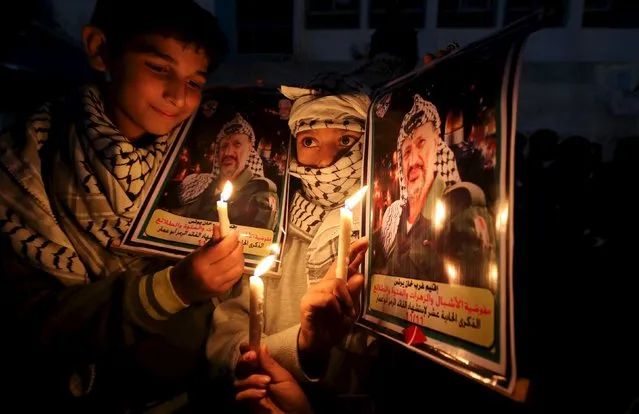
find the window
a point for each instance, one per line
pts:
(516, 9)
(331, 14)
(466, 13)
(621, 14)
(264, 27)
(409, 12)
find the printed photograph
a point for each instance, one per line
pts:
(437, 272)
(234, 152)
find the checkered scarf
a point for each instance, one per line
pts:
(445, 165)
(97, 181)
(324, 190)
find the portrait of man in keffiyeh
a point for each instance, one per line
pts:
(439, 222)
(235, 159)
(193, 185)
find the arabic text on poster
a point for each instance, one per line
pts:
(167, 226)
(463, 312)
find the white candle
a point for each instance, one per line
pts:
(256, 305)
(223, 211)
(345, 231)
(344, 242)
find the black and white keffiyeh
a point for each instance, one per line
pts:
(97, 181)
(238, 125)
(324, 190)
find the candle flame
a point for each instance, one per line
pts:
(274, 248)
(451, 270)
(355, 198)
(493, 272)
(440, 215)
(264, 265)
(502, 218)
(226, 192)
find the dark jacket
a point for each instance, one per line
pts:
(254, 202)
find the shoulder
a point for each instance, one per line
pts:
(464, 194)
(390, 224)
(259, 184)
(193, 186)
(392, 213)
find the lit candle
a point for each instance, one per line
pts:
(223, 211)
(345, 231)
(256, 305)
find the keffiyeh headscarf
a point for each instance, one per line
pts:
(324, 189)
(315, 109)
(194, 184)
(421, 113)
(238, 125)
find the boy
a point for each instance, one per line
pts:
(94, 329)
(307, 311)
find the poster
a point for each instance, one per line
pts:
(239, 135)
(440, 168)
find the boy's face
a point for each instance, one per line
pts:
(155, 85)
(320, 148)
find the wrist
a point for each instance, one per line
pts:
(179, 287)
(313, 360)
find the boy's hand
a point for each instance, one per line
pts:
(210, 270)
(329, 308)
(274, 391)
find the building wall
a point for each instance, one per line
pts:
(572, 42)
(72, 15)
(569, 73)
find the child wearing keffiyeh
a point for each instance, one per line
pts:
(89, 325)
(329, 138)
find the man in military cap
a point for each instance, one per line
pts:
(440, 230)
(254, 201)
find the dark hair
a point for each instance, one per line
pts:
(183, 20)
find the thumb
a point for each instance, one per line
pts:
(357, 252)
(216, 232)
(272, 368)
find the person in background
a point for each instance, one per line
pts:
(93, 329)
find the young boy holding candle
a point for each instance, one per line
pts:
(94, 329)
(307, 311)
(328, 130)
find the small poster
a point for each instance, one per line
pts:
(440, 170)
(241, 136)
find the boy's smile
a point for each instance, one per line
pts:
(156, 84)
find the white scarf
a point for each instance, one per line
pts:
(65, 219)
